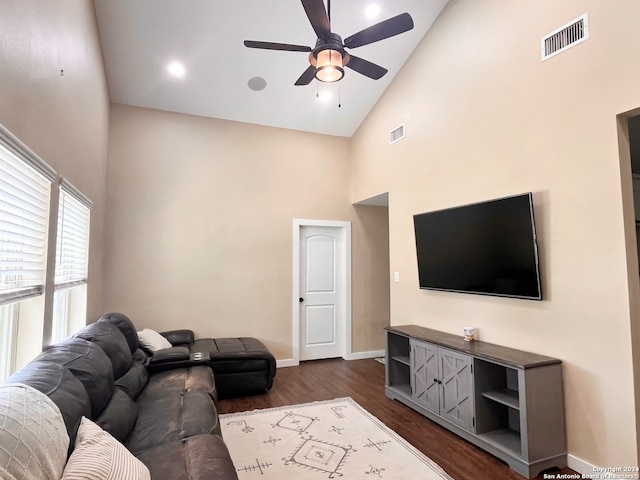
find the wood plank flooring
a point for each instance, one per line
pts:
(363, 380)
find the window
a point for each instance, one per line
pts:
(72, 261)
(25, 187)
(8, 337)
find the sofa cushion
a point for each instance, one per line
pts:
(152, 340)
(134, 381)
(201, 457)
(112, 341)
(89, 364)
(177, 381)
(119, 416)
(98, 456)
(172, 417)
(140, 357)
(179, 337)
(59, 384)
(126, 327)
(33, 440)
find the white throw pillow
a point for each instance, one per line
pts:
(33, 438)
(152, 340)
(99, 456)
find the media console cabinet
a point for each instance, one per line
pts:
(506, 401)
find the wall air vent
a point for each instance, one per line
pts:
(565, 37)
(396, 134)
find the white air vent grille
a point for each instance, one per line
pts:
(565, 37)
(396, 134)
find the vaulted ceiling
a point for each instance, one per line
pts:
(140, 38)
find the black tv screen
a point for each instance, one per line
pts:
(486, 248)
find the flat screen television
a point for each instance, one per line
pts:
(486, 248)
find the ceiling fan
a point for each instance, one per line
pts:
(329, 57)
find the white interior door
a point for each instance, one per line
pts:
(322, 292)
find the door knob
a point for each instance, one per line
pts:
(301, 299)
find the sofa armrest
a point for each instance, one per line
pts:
(172, 354)
(178, 337)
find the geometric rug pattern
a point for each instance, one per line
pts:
(321, 440)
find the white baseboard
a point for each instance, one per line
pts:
(290, 362)
(364, 355)
(287, 362)
(579, 465)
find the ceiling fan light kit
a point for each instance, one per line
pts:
(329, 57)
(329, 66)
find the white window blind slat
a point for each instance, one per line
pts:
(21, 172)
(21, 220)
(20, 199)
(24, 212)
(72, 250)
(19, 150)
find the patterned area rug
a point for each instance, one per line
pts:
(321, 440)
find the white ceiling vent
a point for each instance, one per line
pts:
(396, 134)
(567, 36)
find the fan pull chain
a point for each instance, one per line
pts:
(339, 96)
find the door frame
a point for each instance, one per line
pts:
(298, 223)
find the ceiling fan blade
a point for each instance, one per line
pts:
(385, 29)
(308, 75)
(317, 16)
(276, 46)
(366, 68)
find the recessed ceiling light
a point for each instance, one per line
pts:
(176, 69)
(372, 10)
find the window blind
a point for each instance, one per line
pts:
(72, 243)
(24, 213)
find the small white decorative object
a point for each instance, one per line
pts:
(469, 334)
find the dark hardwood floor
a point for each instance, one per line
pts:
(363, 380)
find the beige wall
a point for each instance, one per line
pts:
(486, 118)
(200, 211)
(200, 224)
(62, 117)
(370, 277)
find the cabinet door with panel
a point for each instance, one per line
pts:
(442, 382)
(456, 388)
(424, 377)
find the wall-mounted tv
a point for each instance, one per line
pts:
(486, 248)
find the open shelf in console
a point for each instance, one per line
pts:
(399, 364)
(504, 439)
(505, 396)
(498, 405)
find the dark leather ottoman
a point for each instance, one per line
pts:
(241, 366)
